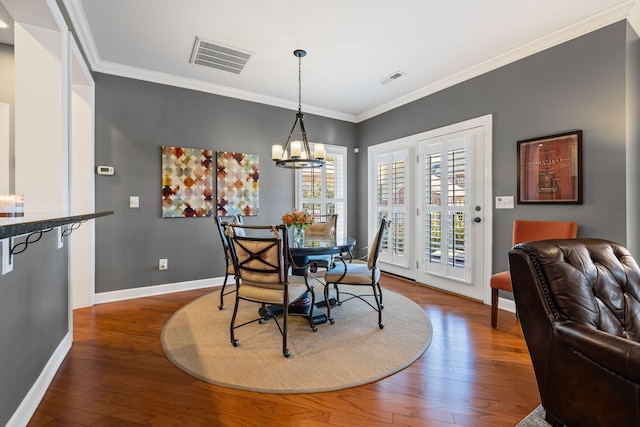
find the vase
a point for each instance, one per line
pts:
(298, 235)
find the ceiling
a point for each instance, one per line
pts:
(351, 45)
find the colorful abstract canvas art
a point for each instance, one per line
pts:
(187, 182)
(238, 183)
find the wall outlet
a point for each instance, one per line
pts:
(163, 264)
(134, 202)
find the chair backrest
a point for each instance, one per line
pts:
(260, 254)
(593, 282)
(221, 223)
(527, 230)
(376, 245)
(323, 225)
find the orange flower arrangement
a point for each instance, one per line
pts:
(298, 219)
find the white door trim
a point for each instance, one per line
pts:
(410, 142)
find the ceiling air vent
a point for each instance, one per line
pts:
(392, 77)
(214, 55)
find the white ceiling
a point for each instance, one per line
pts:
(351, 44)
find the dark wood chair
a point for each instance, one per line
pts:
(359, 274)
(262, 261)
(221, 222)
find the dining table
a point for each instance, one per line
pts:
(302, 254)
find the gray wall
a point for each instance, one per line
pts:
(133, 120)
(33, 300)
(577, 85)
(633, 140)
(33, 318)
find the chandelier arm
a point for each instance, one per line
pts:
(293, 128)
(305, 141)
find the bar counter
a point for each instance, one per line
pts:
(36, 221)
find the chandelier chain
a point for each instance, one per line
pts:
(299, 84)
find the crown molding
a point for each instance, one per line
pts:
(563, 35)
(627, 10)
(634, 18)
(172, 80)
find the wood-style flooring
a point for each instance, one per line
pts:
(116, 374)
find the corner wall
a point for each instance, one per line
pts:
(579, 84)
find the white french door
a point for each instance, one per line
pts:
(435, 187)
(450, 183)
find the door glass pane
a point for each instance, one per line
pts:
(432, 239)
(456, 168)
(433, 200)
(455, 237)
(385, 240)
(382, 184)
(433, 179)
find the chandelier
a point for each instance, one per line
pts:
(296, 154)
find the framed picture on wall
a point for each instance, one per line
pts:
(550, 169)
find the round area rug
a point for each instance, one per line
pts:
(351, 352)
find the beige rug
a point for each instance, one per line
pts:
(351, 352)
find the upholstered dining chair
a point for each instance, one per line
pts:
(261, 258)
(221, 222)
(527, 231)
(324, 226)
(359, 274)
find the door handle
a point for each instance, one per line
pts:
(477, 219)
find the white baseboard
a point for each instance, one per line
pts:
(507, 304)
(148, 291)
(31, 401)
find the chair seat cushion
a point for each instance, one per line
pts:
(273, 295)
(356, 274)
(501, 281)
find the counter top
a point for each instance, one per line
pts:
(35, 221)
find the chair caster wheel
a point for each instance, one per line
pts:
(287, 353)
(381, 325)
(261, 321)
(235, 343)
(314, 328)
(332, 321)
(220, 307)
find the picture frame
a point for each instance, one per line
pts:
(550, 169)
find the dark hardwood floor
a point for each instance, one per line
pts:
(116, 374)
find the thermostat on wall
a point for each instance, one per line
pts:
(105, 170)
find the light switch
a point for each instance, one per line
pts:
(134, 202)
(504, 202)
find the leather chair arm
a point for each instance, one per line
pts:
(616, 354)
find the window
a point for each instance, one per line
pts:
(323, 191)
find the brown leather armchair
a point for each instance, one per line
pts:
(579, 307)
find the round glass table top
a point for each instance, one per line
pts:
(317, 245)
